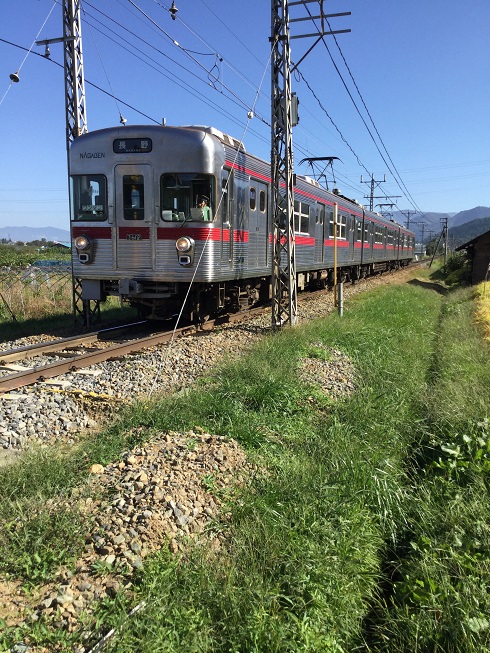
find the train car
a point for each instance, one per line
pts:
(167, 217)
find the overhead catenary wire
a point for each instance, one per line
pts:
(188, 54)
(12, 77)
(213, 50)
(171, 73)
(392, 168)
(121, 119)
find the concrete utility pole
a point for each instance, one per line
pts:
(445, 232)
(284, 117)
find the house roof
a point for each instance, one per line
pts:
(472, 242)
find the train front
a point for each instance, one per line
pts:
(145, 215)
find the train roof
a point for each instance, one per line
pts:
(130, 131)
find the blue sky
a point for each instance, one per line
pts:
(420, 68)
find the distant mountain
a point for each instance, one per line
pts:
(433, 222)
(431, 219)
(472, 214)
(467, 231)
(28, 234)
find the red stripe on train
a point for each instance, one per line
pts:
(92, 232)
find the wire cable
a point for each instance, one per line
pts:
(28, 53)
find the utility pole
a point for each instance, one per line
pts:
(422, 228)
(76, 120)
(374, 183)
(442, 235)
(445, 232)
(386, 214)
(76, 117)
(284, 116)
(284, 292)
(408, 213)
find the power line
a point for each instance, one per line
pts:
(396, 175)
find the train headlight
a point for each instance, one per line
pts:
(82, 243)
(184, 244)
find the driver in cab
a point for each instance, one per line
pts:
(206, 211)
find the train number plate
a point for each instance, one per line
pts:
(133, 236)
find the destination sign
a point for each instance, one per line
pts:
(132, 145)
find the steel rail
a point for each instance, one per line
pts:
(41, 373)
(29, 351)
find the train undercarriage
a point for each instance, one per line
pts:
(162, 301)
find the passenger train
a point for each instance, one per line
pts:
(170, 216)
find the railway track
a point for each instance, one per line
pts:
(71, 358)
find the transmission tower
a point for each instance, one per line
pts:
(284, 116)
(76, 117)
(76, 125)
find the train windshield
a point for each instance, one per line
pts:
(89, 197)
(186, 197)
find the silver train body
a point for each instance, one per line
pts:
(166, 215)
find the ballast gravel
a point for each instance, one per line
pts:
(61, 408)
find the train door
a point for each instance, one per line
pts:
(263, 224)
(319, 233)
(227, 222)
(258, 219)
(352, 236)
(133, 210)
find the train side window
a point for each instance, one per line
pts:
(253, 198)
(262, 203)
(319, 214)
(225, 194)
(133, 197)
(301, 217)
(359, 231)
(367, 229)
(342, 227)
(88, 197)
(187, 196)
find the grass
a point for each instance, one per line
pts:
(25, 311)
(39, 299)
(367, 529)
(482, 297)
(441, 598)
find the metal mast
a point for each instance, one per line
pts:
(284, 293)
(284, 116)
(76, 117)
(76, 124)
